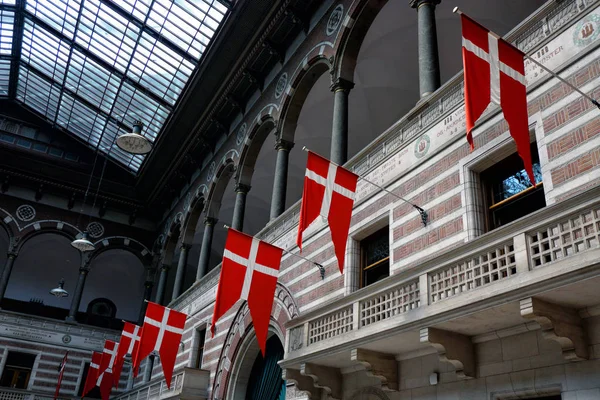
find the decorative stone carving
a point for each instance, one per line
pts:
(95, 229)
(296, 335)
(335, 20)
(241, 134)
(560, 324)
(303, 383)
(381, 366)
(327, 378)
(25, 213)
(454, 348)
(281, 85)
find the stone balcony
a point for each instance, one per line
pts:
(18, 394)
(187, 384)
(542, 271)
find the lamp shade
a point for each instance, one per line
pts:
(134, 142)
(83, 243)
(60, 290)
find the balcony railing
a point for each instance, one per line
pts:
(187, 383)
(485, 268)
(20, 394)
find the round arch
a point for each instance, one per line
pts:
(190, 222)
(43, 227)
(254, 143)
(300, 87)
(122, 243)
(217, 188)
(8, 223)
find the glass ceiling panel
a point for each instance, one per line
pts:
(7, 20)
(80, 120)
(44, 51)
(4, 77)
(59, 14)
(38, 93)
(107, 34)
(160, 69)
(93, 67)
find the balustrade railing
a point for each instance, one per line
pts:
(187, 381)
(489, 262)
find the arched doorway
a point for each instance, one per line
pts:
(254, 377)
(265, 381)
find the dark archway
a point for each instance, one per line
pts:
(265, 382)
(48, 257)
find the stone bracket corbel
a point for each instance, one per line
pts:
(327, 378)
(303, 383)
(560, 324)
(381, 366)
(454, 348)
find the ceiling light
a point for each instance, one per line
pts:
(60, 291)
(134, 142)
(83, 243)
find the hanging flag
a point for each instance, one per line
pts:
(249, 272)
(61, 371)
(128, 344)
(329, 191)
(105, 372)
(92, 374)
(161, 332)
(495, 73)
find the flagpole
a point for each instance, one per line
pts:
(456, 10)
(421, 211)
(321, 268)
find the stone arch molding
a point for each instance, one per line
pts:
(223, 173)
(241, 326)
(19, 235)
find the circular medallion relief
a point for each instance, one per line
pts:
(587, 30)
(335, 20)
(95, 229)
(25, 213)
(211, 171)
(281, 84)
(241, 134)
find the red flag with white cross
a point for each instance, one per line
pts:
(495, 73)
(105, 373)
(92, 374)
(249, 272)
(129, 344)
(161, 332)
(329, 192)
(61, 371)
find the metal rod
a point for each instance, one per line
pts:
(456, 10)
(321, 268)
(421, 211)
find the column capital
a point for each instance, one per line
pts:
(165, 267)
(148, 284)
(185, 246)
(418, 3)
(283, 144)
(12, 253)
(210, 221)
(341, 85)
(242, 188)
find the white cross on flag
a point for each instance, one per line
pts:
(105, 372)
(92, 374)
(495, 73)
(129, 344)
(329, 191)
(161, 332)
(249, 272)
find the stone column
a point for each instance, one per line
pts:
(283, 148)
(10, 261)
(241, 191)
(149, 367)
(180, 274)
(162, 283)
(83, 272)
(148, 285)
(209, 227)
(339, 134)
(429, 65)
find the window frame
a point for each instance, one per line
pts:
(9, 349)
(363, 256)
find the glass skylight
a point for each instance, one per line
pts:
(93, 67)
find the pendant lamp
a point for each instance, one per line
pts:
(60, 290)
(134, 142)
(83, 243)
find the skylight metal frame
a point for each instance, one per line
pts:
(92, 67)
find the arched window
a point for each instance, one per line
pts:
(102, 308)
(265, 381)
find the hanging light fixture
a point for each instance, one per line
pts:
(133, 142)
(83, 243)
(60, 290)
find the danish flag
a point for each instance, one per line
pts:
(129, 344)
(161, 332)
(92, 374)
(105, 372)
(329, 191)
(249, 272)
(495, 73)
(61, 371)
